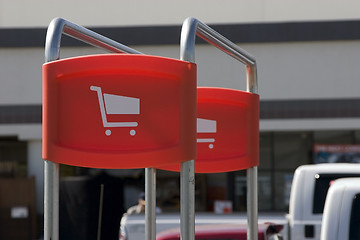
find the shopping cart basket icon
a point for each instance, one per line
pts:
(206, 126)
(116, 104)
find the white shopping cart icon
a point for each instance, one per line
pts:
(116, 104)
(206, 126)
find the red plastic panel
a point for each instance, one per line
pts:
(227, 131)
(119, 111)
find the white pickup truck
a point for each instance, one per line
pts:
(341, 220)
(307, 198)
(303, 222)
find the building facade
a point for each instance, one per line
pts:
(309, 82)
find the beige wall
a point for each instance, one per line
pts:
(38, 13)
(312, 70)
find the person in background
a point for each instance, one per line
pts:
(136, 209)
(140, 207)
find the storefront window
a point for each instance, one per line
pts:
(13, 155)
(265, 191)
(357, 137)
(266, 153)
(291, 150)
(239, 203)
(282, 187)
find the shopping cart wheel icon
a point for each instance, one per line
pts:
(132, 132)
(207, 140)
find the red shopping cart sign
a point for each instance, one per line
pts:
(227, 131)
(119, 111)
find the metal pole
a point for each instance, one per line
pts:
(192, 28)
(47, 200)
(56, 28)
(150, 205)
(187, 169)
(101, 202)
(252, 203)
(187, 200)
(51, 200)
(252, 173)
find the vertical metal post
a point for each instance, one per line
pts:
(192, 28)
(252, 173)
(101, 204)
(187, 200)
(187, 169)
(51, 200)
(150, 207)
(252, 203)
(47, 200)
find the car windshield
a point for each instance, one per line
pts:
(355, 219)
(322, 184)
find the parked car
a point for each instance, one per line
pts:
(341, 218)
(308, 193)
(267, 231)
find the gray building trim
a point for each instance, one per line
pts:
(15, 114)
(239, 33)
(303, 109)
(274, 109)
